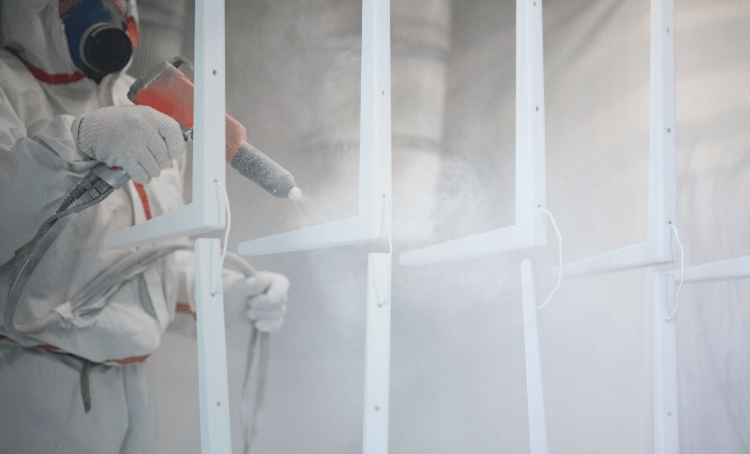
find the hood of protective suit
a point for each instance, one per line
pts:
(35, 25)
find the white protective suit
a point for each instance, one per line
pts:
(42, 374)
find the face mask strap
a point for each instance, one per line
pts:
(131, 29)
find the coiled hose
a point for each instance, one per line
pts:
(96, 186)
(91, 190)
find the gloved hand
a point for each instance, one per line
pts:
(262, 297)
(138, 139)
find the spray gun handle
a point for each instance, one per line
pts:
(96, 186)
(114, 176)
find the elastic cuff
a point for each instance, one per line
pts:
(74, 129)
(90, 127)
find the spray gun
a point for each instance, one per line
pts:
(168, 89)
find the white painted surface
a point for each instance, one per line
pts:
(662, 182)
(212, 356)
(666, 429)
(377, 354)
(534, 386)
(529, 230)
(373, 221)
(372, 224)
(736, 268)
(205, 213)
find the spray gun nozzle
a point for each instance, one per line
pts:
(294, 193)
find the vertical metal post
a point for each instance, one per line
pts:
(209, 138)
(375, 213)
(212, 356)
(375, 115)
(534, 388)
(662, 166)
(666, 429)
(377, 354)
(209, 168)
(530, 137)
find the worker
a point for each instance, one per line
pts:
(80, 383)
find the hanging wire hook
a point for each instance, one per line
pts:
(217, 280)
(380, 301)
(559, 244)
(682, 272)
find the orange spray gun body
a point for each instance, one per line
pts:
(169, 90)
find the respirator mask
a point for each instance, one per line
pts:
(96, 32)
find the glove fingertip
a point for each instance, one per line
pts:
(268, 326)
(141, 178)
(173, 139)
(254, 285)
(136, 171)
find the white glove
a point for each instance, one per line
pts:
(139, 139)
(264, 298)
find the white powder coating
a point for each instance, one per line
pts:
(253, 164)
